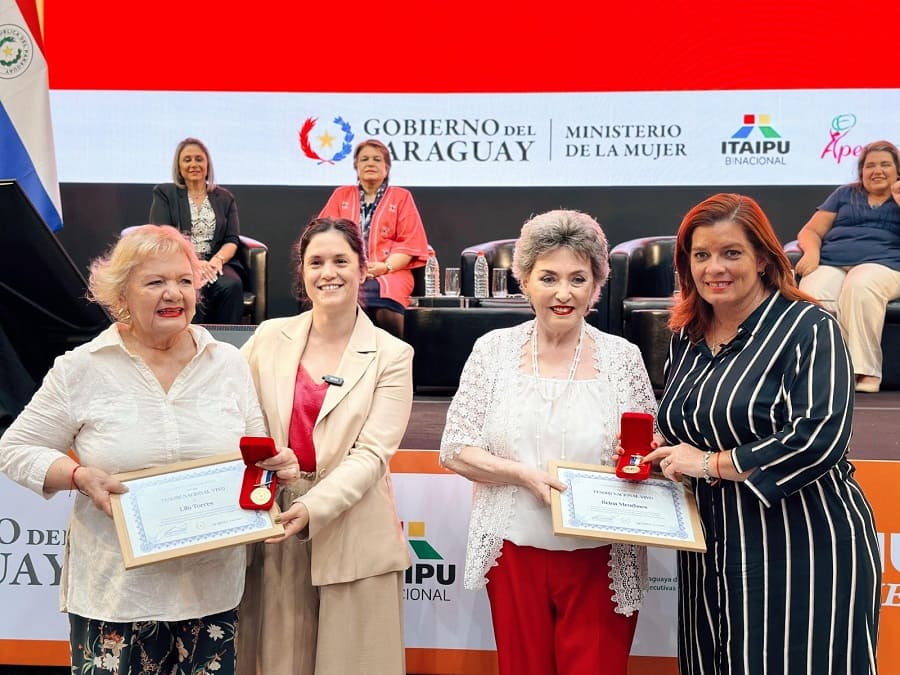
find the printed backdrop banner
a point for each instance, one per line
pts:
(441, 617)
(786, 137)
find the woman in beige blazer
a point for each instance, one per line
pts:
(326, 599)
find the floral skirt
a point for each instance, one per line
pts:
(190, 647)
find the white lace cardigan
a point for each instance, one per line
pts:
(492, 367)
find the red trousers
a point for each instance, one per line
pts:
(553, 613)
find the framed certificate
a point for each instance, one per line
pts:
(652, 512)
(186, 508)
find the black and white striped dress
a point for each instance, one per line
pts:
(791, 579)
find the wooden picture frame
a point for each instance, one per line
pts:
(598, 504)
(187, 508)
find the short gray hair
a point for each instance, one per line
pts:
(574, 230)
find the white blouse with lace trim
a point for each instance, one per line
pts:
(498, 408)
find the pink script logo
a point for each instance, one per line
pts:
(841, 125)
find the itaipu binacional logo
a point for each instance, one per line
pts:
(326, 143)
(740, 149)
(429, 575)
(16, 51)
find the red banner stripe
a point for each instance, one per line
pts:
(471, 46)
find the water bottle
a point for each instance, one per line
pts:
(432, 275)
(481, 276)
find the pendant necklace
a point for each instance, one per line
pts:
(550, 400)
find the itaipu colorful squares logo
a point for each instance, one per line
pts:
(326, 142)
(16, 51)
(756, 142)
(429, 575)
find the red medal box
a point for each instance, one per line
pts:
(636, 439)
(258, 486)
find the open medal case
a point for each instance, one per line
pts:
(258, 485)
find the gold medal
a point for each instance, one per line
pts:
(633, 466)
(260, 496)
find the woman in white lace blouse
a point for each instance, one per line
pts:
(551, 388)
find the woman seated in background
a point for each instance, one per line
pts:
(559, 604)
(851, 257)
(392, 232)
(149, 391)
(207, 214)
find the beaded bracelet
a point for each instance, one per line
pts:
(709, 479)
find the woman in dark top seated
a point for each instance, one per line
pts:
(851, 257)
(207, 214)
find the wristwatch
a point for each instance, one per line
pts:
(390, 268)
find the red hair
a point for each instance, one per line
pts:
(692, 312)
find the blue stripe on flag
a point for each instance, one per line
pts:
(15, 163)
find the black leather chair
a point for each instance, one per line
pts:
(253, 255)
(890, 334)
(640, 294)
(642, 276)
(498, 253)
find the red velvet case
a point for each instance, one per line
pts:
(254, 449)
(636, 439)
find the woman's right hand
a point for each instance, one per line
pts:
(657, 441)
(808, 262)
(210, 270)
(98, 486)
(539, 482)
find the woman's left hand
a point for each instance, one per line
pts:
(210, 270)
(284, 464)
(294, 519)
(676, 461)
(895, 191)
(377, 269)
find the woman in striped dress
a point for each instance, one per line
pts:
(757, 412)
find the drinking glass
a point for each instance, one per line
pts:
(498, 282)
(451, 281)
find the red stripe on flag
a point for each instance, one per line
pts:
(30, 14)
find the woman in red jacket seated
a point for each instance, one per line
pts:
(392, 231)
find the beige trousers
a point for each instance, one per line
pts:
(857, 296)
(288, 626)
